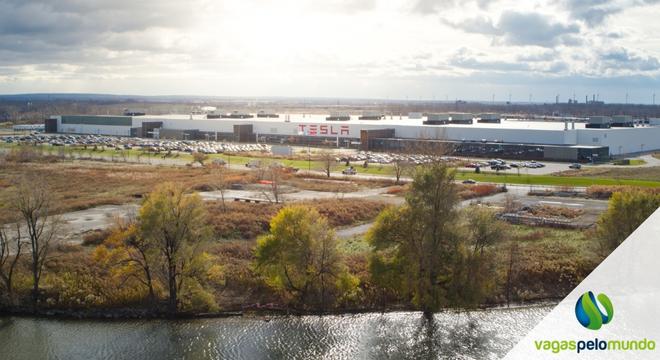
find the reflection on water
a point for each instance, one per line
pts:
(470, 335)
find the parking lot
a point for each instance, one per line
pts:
(342, 155)
(127, 143)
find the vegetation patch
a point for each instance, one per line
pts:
(651, 173)
(605, 192)
(238, 220)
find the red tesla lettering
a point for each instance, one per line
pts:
(301, 128)
(332, 130)
(344, 130)
(324, 129)
(312, 130)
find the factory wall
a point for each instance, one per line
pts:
(619, 140)
(622, 140)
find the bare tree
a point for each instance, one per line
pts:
(32, 202)
(400, 166)
(327, 159)
(218, 167)
(7, 262)
(274, 174)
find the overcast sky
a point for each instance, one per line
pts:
(417, 49)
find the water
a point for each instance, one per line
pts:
(465, 335)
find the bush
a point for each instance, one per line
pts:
(95, 237)
(605, 192)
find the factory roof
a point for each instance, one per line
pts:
(386, 121)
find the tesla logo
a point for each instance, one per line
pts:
(314, 130)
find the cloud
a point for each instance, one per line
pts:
(622, 59)
(464, 58)
(522, 29)
(596, 12)
(429, 7)
(535, 29)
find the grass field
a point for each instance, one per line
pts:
(553, 180)
(651, 173)
(583, 178)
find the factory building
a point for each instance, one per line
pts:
(599, 138)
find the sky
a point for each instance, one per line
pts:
(388, 49)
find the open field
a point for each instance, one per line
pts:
(586, 177)
(616, 173)
(581, 181)
(81, 185)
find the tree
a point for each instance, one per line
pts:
(219, 171)
(175, 224)
(133, 254)
(199, 157)
(273, 174)
(400, 165)
(7, 261)
(327, 159)
(626, 211)
(483, 231)
(299, 258)
(32, 202)
(415, 246)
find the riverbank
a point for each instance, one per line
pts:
(265, 312)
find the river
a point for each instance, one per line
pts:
(487, 334)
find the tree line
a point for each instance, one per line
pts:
(428, 252)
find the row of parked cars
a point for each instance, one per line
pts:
(126, 143)
(388, 158)
(499, 164)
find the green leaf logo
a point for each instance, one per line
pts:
(589, 314)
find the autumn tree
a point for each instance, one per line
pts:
(32, 202)
(174, 223)
(626, 211)
(415, 245)
(475, 279)
(300, 259)
(130, 254)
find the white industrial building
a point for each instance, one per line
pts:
(299, 128)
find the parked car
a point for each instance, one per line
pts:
(253, 164)
(575, 166)
(469, 181)
(349, 171)
(500, 167)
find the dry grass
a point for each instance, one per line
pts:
(247, 220)
(651, 173)
(467, 192)
(555, 212)
(81, 185)
(605, 192)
